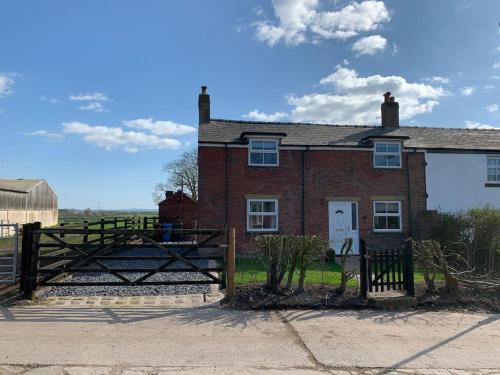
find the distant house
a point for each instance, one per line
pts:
(467, 173)
(27, 201)
(362, 182)
(178, 208)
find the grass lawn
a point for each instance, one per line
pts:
(252, 270)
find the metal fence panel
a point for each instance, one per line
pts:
(9, 251)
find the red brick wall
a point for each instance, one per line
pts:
(342, 173)
(178, 209)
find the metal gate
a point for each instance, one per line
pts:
(9, 248)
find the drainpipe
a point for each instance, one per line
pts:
(410, 229)
(304, 189)
(227, 186)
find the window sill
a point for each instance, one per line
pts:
(263, 165)
(375, 167)
(492, 184)
(387, 231)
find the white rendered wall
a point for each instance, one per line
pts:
(457, 181)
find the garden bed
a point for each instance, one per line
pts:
(256, 297)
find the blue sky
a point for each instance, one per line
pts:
(96, 95)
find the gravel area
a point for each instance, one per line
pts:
(133, 290)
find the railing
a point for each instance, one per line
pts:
(9, 249)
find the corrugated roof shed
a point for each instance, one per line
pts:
(298, 134)
(20, 185)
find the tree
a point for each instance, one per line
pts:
(182, 174)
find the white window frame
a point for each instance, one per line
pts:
(275, 213)
(277, 152)
(399, 214)
(400, 154)
(495, 157)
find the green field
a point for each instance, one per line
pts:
(79, 216)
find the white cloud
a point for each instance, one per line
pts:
(492, 108)
(93, 107)
(258, 10)
(160, 127)
(48, 100)
(395, 49)
(437, 79)
(478, 125)
(46, 134)
(495, 77)
(259, 116)
(468, 90)
(369, 45)
(299, 21)
(356, 100)
(111, 138)
(94, 97)
(6, 83)
(489, 87)
(496, 65)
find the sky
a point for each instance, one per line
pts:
(96, 95)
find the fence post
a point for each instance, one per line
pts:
(145, 223)
(408, 268)
(125, 223)
(231, 263)
(31, 281)
(85, 235)
(102, 234)
(363, 271)
(115, 226)
(25, 255)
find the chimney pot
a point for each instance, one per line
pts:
(386, 96)
(204, 106)
(390, 112)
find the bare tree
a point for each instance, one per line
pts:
(182, 174)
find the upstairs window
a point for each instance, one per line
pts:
(387, 155)
(387, 216)
(262, 215)
(493, 165)
(263, 152)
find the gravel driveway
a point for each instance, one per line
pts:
(133, 290)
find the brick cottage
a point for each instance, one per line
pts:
(335, 181)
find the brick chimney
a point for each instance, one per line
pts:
(168, 194)
(390, 112)
(204, 106)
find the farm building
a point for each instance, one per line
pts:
(178, 208)
(26, 201)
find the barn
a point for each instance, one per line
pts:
(178, 208)
(26, 201)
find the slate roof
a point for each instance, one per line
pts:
(299, 134)
(20, 186)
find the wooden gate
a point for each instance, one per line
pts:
(386, 269)
(49, 255)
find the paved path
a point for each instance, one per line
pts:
(206, 340)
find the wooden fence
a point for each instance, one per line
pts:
(386, 269)
(48, 256)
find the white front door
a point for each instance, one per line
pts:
(343, 223)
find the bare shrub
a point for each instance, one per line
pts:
(345, 274)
